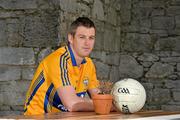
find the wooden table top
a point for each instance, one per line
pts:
(93, 115)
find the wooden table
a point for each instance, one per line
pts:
(94, 116)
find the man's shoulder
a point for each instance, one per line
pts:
(89, 60)
(55, 55)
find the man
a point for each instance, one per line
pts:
(65, 76)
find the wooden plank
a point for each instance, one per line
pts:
(93, 115)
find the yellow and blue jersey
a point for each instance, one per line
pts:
(57, 70)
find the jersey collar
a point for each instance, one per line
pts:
(73, 58)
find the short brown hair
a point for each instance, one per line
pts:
(81, 21)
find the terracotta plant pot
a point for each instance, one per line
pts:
(102, 103)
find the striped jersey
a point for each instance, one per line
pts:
(57, 70)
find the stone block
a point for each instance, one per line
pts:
(17, 56)
(176, 95)
(178, 67)
(41, 30)
(98, 55)
(69, 5)
(158, 12)
(148, 57)
(171, 59)
(168, 44)
(114, 74)
(84, 10)
(161, 96)
(134, 42)
(4, 107)
(8, 73)
(129, 67)
(98, 10)
(3, 35)
(111, 16)
(14, 31)
(175, 2)
(20, 86)
(28, 73)
(146, 64)
(10, 112)
(172, 84)
(163, 23)
(173, 10)
(159, 70)
(18, 4)
(109, 38)
(172, 108)
(160, 33)
(125, 15)
(112, 59)
(44, 53)
(102, 70)
(177, 21)
(13, 98)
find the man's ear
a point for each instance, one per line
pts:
(70, 38)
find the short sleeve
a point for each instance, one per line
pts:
(57, 71)
(94, 83)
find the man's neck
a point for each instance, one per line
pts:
(77, 58)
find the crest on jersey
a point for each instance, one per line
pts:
(86, 81)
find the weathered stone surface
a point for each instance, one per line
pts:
(172, 84)
(159, 70)
(69, 5)
(111, 14)
(173, 10)
(102, 70)
(9, 73)
(43, 53)
(14, 86)
(98, 10)
(161, 96)
(178, 67)
(41, 30)
(18, 4)
(170, 107)
(176, 95)
(158, 12)
(98, 55)
(146, 64)
(137, 42)
(17, 56)
(129, 67)
(3, 35)
(160, 33)
(14, 31)
(171, 59)
(164, 23)
(13, 98)
(114, 74)
(112, 59)
(148, 57)
(168, 44)
(177, 21)
(28, 73)
(109, 42)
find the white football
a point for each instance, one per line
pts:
(129, 95)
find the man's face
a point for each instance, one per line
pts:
(83, 41)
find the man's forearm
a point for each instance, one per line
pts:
(83, 105)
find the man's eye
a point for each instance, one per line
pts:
(91, 38)
(82, 37)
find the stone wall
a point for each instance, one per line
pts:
(135, 38)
